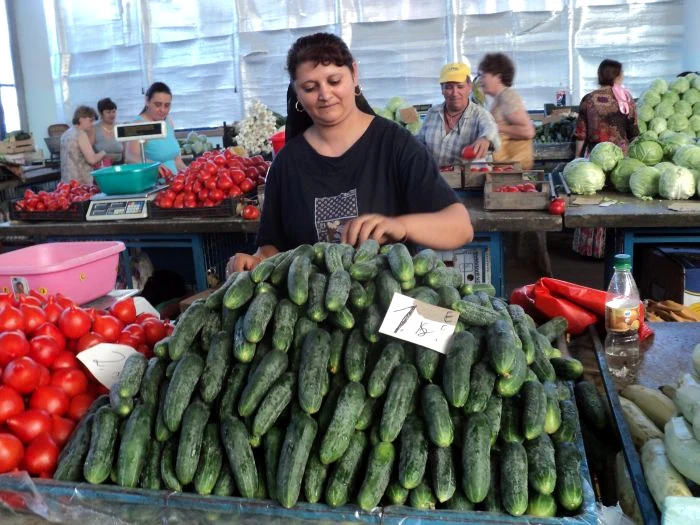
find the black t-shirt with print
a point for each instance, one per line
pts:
(309, 197)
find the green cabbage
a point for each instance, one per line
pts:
(606, 155)
(696, 108)
(696, 82)
(694, 123)
(659, 86)
(664, 109)
(683, 107)
(642, 126)
(384, 113)
(670, 96)
(677, 122)
(584, 177)
(620, 176)
(644, 182)
(688, 157)
(666, 135)
(661, 166)
(414, 127)
(650, 98)
(675, 141)
(645, 112)
(648, 135)
(676, 183)
(648, 151)
(393, 104)
(658, 125)
(680, 85)
(691, 96)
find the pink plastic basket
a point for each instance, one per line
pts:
(82, 271)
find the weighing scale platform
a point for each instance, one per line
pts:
(117, 207)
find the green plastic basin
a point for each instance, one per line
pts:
(125, 179)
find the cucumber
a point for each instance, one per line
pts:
(100, 454)
(186, 330)
(258, 316)
(378, 474)
(392, 356)
(355, 356)
(492, 503)
(367, 251)
(364, 270)
(298, 279)
(526, 340)
(167, 465)
(443, 472)
(396, 494)
(330, 401)
(422, 497)
(319, 253)
(333, 257)
(554, 328)
(225, 485)
(534, 409)
(243, 350)
(514, 478)
(511, 421)
(370, 409)
(315, 354)
(473, 314)
(234, 437)
(240, 291)
(481, 385)
(134, 446)
(502, 348)
(343, 318)
(541, 365)
(372, 322)
(265, 288)
(469, 288)
(130, 377)
(345, 472)
(437, 416)
(459, 502)
(552, 418)
(407, 286)
(541, 467)
(348, 255)
(569, 489)
(448, 296)
(542, 505)
(150, 474)
(216, 366)
(338, 290)
(180, 390)
(493, 412)
(293, 457)
(270, 368)
(424, 261)
(425, 294)
(284, 321)
(280, 273)
(274, 403)
(211, 325)
(476, 462)
(457, 370)
(72, 457)
(152, 379)
(315, 476)
(443, 276)
(510, 385)
(358, 296)
(335, 358)
(272, 446)
(262, 271)
(194, 422)
(567, 367)
(228, 319)
(427, 361)
(210, 461)
(342, 425)
(316, 305)
(413, 456)
(400, 262)
(230, 395)
(590, 405)
(161, 432)
(160, 349)
(568, 429)
(387, 286)
(397, 403)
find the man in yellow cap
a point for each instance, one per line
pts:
(451, 126)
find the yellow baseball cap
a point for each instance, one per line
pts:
(454, 72)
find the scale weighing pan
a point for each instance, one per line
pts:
(117, 207)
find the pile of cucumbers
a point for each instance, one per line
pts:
(280, 386)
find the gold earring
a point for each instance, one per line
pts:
(358, 90)
(299, 107)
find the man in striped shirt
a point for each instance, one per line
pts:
(456, 123)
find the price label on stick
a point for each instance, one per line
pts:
(420, 323)
(105, 361)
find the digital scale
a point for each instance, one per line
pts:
(104, 207)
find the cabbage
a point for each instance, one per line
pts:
(683, 107)
(661, 166)
(696, 108)
(666, 135)
(657, 125)
(384, 113)
(694, 123)
(677, 122)
(675, 141)
(642, 126)
(393, 104)
(696, 82)
(688, 157)
(620, 176)
(648, 151)
(664, 109)
(187, 149)
(659, 86)
(191, 136)
(676, 183)
(650, 98)
(680, 85)
(691, 96)
(644, 182)
(584, 177)
(197, 148)
(648, 135)
(606, 155)
(670, 96)
(645, 112)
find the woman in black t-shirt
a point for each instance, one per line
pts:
(347, 175)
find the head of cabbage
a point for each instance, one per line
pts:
(676, 183)
(677, 122)
(620, 176)
(694, 123)
(650, 98)
(664, 109)
(688, 156)
(648, 135)
(584, 177)
(644, 182)
(645, 112)
(659, 86)
(683, 107)
(606, 155)
(673, 142)
(642, 126)
(680, 85)
(670, 97)
(657, 125)
(691, 96)
(647, 151)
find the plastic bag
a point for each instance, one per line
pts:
(612, 516)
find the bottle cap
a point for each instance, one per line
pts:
(622, 262)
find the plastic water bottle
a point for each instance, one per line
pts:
(622, 320)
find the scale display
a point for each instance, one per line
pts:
(140, 131)
(118, 207)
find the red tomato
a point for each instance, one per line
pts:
(11, 403)
(50, 398)
(61, 429)
(235, 191)
(34, 317)
(468, 153)
(63, 301)
(225, 182)
(79, 404)
(52, 310)
(136, 331)
(52, 331)
(250, 212)
(238, 176)
(64, 360)
(7, 299)
(31, 300)
(143, 316)
(154, 330)
(247, 185)
(216, 195)
(11, 452)
(22, 374)
(71, 381)
(124, 310)
(557, 207)
(145, 351)
(210, 184)
(88, 341)
(13, 344)
(11, 318)
(41, 455)
(44, 375)
(44, 350)
(125, 338)
(74, 322)
(29, 424)
(108, 327)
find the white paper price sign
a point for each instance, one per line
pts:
(420, 323)
(105, 361)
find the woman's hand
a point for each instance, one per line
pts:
(381, 228)
(241, 262)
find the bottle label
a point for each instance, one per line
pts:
(623, 319)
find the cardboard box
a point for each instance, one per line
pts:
(474, 262)
(671, 272)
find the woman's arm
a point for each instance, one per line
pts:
(87, 151)
(132, 152)
(92, 135)
(518, 125)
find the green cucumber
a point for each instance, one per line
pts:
(234, 437)
(225, 485)
(316, 305)
(152, 379)
(541, 365)
(194, 422)
(541, 471)
(443, 472)
(355, 356)
(335, 358)
(396, 493)
(387, 286)
(187, 329)
(240, 291)
(424, 261)
(341, 428)
(319, 253)
(72, 457)
(392, 356)
(398, 400)
(243, 350)
(534, 409)
(160, 349)
(180, 390)
(567, 367)
(364, 270)
(150, 474)
(400, 262)
(541, 505)
(590, 405)
(502, 348)
(272, 446)
(315, 354)
(230, 395)
(568, 429)
(443, 276)
(258, 316)
(448, 296)
(372, 322)
(492, 503)
(100, 454)
(427, 361)
(476, 462)
(265, 288)
(481, 386)
(228, 319)
(134, 446)
(216, 367)
(512, 383)
(514, 478)
(284, 321)
(161, 432)
(315, 476)
(210, 461)
(569, 489)
(457, 369)
(167, 465)
(511, 421)
(473, 314)
(333, 257)
(338, 290)
(358, 296)
(554, 328)
(298, 279)
(493, 412)
(459, 502)
(552, 419)
(370, 410)
(437, 416)
(422, 497)
(294, 457)
(343, 318)
(378, 474)
(131, 375)
(413, 456)
(345, 472)
(274, 403)
(270, 368)
(262, 271)
(211, 325)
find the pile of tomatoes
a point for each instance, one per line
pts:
(213, 177)
(526, 187)
(44, 389)
(496, 168)
(65, 194)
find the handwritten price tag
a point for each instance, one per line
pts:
(105, 361)
(420, 323)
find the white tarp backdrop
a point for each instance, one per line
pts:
(219, 56)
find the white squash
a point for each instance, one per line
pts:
(641, 428)
(682, 449)
(625, 491)
(662, 478)
(657, 406)
(688, 399)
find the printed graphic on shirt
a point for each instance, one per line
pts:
(331, 214)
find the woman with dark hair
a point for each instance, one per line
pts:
(515, 129)
(346, 175)
(102, 133)
(77, 155)
(166, 150)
